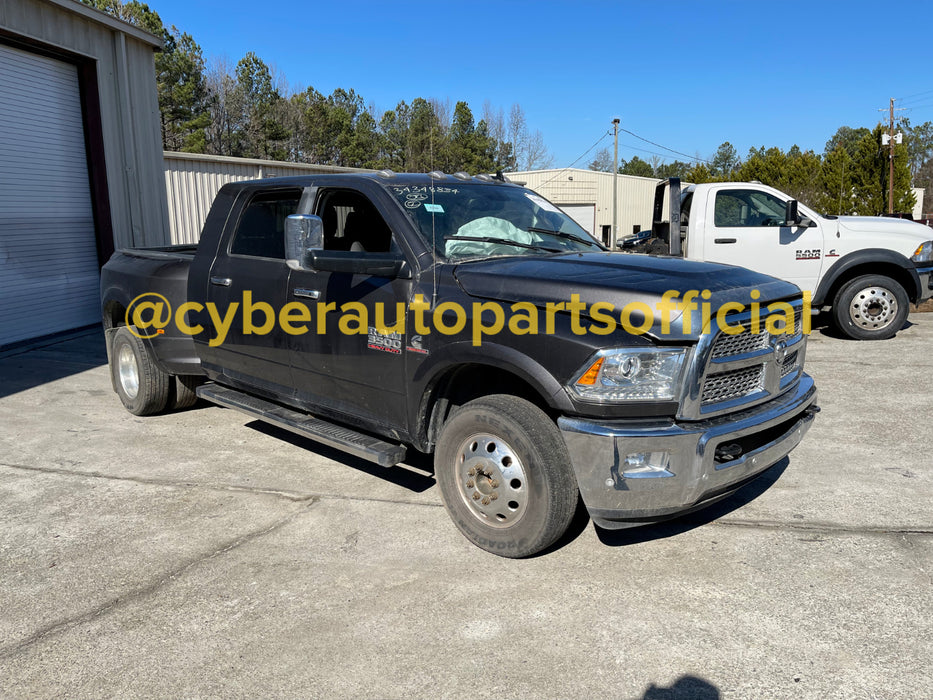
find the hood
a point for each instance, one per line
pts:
(908, 231)
(619, 279)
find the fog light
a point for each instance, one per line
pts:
(646, 465)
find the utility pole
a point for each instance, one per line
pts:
(889, 139)
(615, 185)
(891, 160)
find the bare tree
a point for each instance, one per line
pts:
(221, 88)
(444, 112)
(495, 121)
(530, 151)
(537, 156)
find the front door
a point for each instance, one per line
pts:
(745, 227)
(345, 363)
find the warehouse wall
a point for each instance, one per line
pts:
(577, 186)
(192, 180)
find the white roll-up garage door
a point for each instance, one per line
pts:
(48, 254)
(583, 214)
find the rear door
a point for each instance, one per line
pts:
(247, 288)
(744, 226)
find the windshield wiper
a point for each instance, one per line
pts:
(562, 234)
(503, 241)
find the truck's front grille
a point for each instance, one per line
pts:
(732, 384)
(728, 345)
(748, 367)
(789, 364)
(746, 341)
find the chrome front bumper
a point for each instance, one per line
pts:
(694, 476)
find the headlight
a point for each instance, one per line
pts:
(614, 376)
(924, 253)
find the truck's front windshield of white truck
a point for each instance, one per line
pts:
(472, 221)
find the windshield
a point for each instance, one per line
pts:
(479, 221)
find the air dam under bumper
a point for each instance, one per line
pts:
(706, 460)
(926, 281)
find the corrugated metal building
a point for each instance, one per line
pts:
(80, 159)
(192, 180)
(586, 195)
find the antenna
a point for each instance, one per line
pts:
(433, 252)
(433, 232)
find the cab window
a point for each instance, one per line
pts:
(261, 231)
(748, 208)
(352, 223)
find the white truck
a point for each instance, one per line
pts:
(866, 269)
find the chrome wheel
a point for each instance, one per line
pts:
(873, 308)
(492, 480)
(128, 371)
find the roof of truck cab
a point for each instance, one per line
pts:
(396, 179)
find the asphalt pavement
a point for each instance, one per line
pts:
(202, 554)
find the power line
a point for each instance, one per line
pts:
(645, 150)
(642, 138)
(913, 107)
(916, 94)
(583, 155)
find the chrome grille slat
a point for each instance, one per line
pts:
(746, 341)
(729, 345)
(732, 384)
(789, 365)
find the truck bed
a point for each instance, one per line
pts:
(158, 274)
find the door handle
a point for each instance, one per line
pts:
(307, 293)
(724, 240)
(221, 281)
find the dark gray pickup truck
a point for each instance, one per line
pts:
(469, 318)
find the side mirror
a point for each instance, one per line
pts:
(791, 218)
(304, 234)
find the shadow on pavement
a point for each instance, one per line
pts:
(48, 359)
(401, 475)
(670, 528)
(823, 324)
(684, 688)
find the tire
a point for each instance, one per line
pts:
(142, 387)
(505, 477)
(871, 307)
(182, 392)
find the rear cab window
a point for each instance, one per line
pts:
(260, 232)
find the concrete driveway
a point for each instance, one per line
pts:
(201, 554)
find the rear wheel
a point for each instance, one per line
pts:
(871, 307)
(142, 387)
(505, 476)
(182, 394)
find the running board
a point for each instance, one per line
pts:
(384, 454)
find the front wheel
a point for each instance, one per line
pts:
(505, 476)
(871, 307)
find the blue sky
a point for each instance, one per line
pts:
(685, 75)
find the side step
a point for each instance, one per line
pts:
(384, 454)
